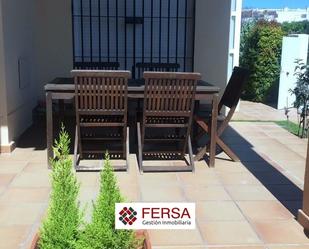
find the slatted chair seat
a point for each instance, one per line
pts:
(164, 137)
(182, 121)
(229, 99)
(101, 116)
(102, 121)
(168, 106)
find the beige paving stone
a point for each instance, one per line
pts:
(125, 178)
(217, 211)
(206, 178)
(264, 210)
(230, 167)
(237, 247)
(155, 179)
(88, 179)
(25, 195)
(131, 193)
(249, 192)
(208, 193)
(22, 214)
(12, 167)
(12, 237)
(242, 178)
(2, 189)
(88, 194)
(180, 247)
(280, 232)
(292, 156)
(176, 238)
(162, 194)
(31, 180)
(228, 233)
(6, 179)
(288, 247)
(38, 157)
(37, 168)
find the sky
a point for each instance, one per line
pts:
(276, 3)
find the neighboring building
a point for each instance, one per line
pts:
(279, 15)
(37, 45)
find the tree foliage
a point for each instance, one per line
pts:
(60, 229)
(261, 53)
(295, 27)
(301, 92)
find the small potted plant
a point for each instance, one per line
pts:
(64, 228)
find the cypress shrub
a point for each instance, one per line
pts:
(100, 233)
(60, 229)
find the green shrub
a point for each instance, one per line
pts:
(261, 54)
(301, 27)
(60, 229)
(301, 92)
(100, 233)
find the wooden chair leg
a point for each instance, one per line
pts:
(75, 148)
(201, 154)
(191, 154)
(127, 149)
(140, 149)
(227, 150)
(124, 142)
(79, 143)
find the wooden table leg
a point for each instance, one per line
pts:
(213, 135)
(49, 126)
(213, 132)
(61, 109)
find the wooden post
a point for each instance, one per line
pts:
(213, 131)
(49, 126)
(303, 214)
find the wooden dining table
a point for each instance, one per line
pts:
(61, 89)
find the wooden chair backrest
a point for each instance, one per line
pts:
(99, 91)
(169, 94)
(234, 88)
(96, 65)
(232, 94)
(156, 67)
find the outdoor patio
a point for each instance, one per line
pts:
(252, 204)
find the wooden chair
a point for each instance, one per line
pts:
(96, 65)
(153, 67)
(229, 99)
(101, 115)
(168, 104)
(156, 67)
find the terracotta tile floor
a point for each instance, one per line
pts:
(246, 205)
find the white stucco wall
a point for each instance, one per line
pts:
(17, 21)
(212, 25)
(53, 42)
(3, 108)
(40, 33)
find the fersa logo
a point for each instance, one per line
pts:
(165, 213)
(127, 216)
(159, 215)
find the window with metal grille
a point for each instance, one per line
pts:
(132, 32)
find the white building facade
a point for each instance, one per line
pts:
(279, 15)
